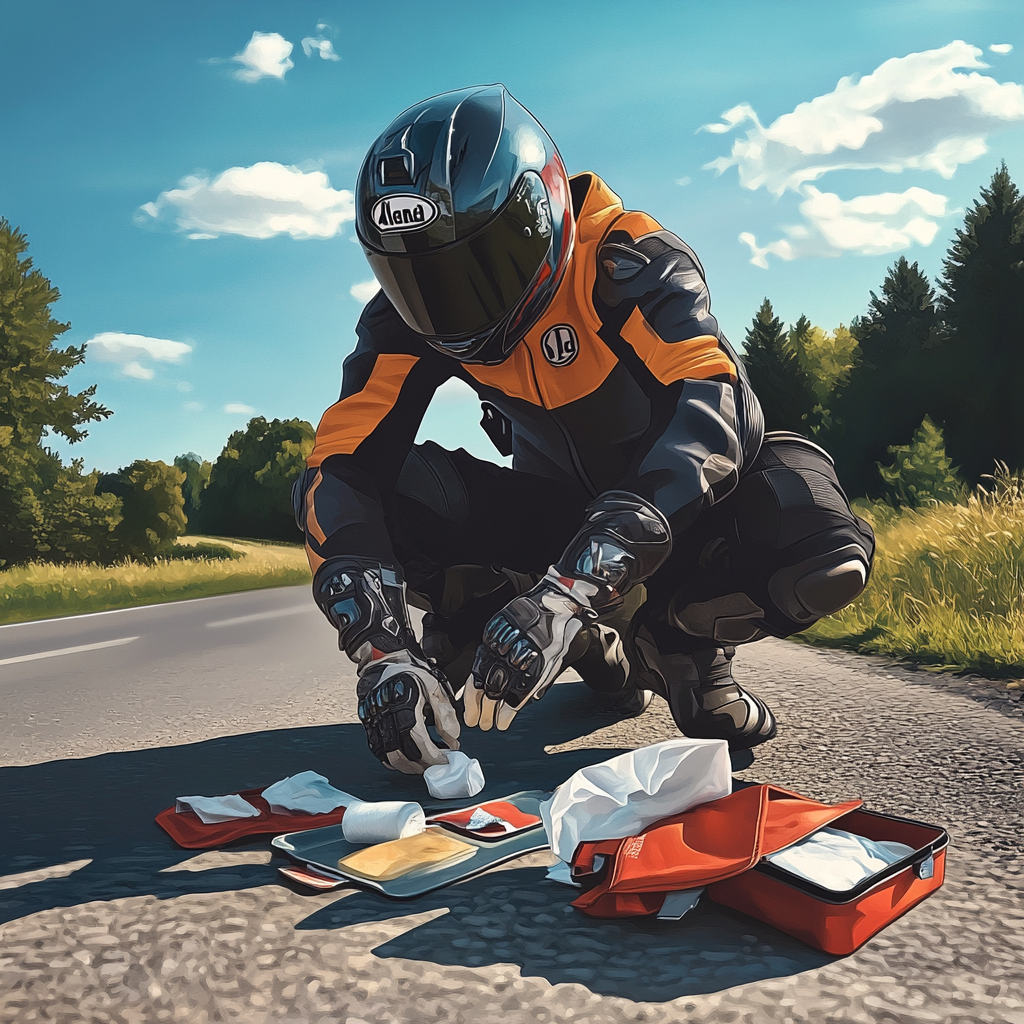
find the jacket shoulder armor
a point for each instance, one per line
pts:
(623, 261)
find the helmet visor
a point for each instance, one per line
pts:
(464, 289)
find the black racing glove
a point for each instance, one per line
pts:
(622, 542)
(400, 693)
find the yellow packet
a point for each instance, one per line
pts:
(400, 856)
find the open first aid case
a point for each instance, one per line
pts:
(724, 847)
(840, 922)
(456, 846)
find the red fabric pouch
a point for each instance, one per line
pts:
(188, 830)
(720, 845)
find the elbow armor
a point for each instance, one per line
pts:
(624, 541)
(365, 602)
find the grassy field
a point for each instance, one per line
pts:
(947, 590)
(200, 567)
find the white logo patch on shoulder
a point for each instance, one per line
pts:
(403, 212)
(560, 345)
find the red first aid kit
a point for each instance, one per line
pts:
(722, 844)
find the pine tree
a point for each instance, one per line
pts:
(921, 472)
(47, 510)
(778, 380)
(894, 385)
(983, 305)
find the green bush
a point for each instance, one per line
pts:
(152, 509)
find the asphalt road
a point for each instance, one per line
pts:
(105, 718)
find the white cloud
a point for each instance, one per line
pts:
(365, 290)
(184, 385)
(919, 112)
(319, 44)
(238, 408)
(138, 371)
(129, 349)
(1001, 47)
(684, 181)
(260, 201)
(872, 225)
(265, 56)
(193, 407)
(913, 112)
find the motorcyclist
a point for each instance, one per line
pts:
(647, 525)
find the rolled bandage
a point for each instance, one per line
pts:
(381, 821)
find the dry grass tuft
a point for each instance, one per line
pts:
(43, 591)
(947, 588)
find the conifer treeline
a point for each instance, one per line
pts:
(926, 365)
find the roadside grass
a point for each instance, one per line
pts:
(947, 589)
(198, 567)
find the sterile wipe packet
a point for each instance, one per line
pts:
(306, 793)
(214, 809)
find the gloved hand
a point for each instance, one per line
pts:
(399, 695)
(523, 649)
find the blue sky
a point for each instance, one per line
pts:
(129, 129)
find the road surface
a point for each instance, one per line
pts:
(104, 719)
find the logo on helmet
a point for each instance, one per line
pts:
(560, 345)
(403, 212)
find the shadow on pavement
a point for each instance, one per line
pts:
(102, 808)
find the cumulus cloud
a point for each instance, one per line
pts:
(319, 44)
(913, 112)
(1001, 47)
(916, 112)
(265, 56)
(872, 225)
(365, 290)
(260, 201)
(129, 351)
(919, 112)
(237, 408)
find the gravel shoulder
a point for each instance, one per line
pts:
(103, 919)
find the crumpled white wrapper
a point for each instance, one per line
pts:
(212, 809)
(459, 779)
(382, 820)
(307, 793)
(623, 795)
(838, 860)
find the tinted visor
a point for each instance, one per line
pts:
(466, 288)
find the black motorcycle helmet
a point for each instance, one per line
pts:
(463, 211)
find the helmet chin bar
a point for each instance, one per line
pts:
(624, 541)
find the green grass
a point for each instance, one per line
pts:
(198, 567)
(947, 589)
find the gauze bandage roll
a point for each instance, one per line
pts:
(381, 821)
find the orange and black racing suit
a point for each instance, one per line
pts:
(625, 383)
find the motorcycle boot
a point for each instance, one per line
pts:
(705, 700)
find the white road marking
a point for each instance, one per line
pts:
(67, 650)
(257, 617)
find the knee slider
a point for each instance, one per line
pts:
(820, 585)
